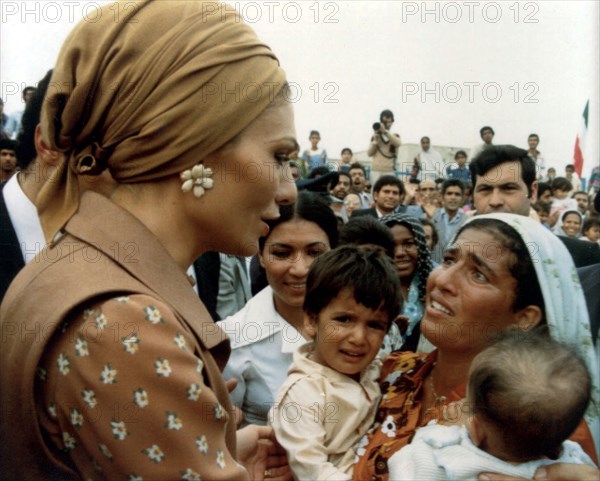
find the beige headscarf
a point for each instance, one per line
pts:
(148, 92)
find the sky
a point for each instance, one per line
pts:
(444, 68)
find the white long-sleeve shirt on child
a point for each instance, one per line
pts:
(321, 414)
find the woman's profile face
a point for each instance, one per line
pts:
(405, 251)
(470, 296)
(571, 224)
(287, 255)
(251, 180)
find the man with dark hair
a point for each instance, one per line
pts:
(448, 218)
(383, 148)
(346, 160)
(504, 181)
(21, 236)
(8, 159)
(388, 193)
(572, 177)
(358, 179)
(533, 140)
(487, 135)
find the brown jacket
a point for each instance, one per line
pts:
(105, 251)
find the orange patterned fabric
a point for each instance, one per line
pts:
(399, 414)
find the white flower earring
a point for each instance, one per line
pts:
(197, 179)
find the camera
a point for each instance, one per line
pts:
(377, 128)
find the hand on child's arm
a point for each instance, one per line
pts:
(261, 455)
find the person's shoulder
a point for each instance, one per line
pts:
(583, 253)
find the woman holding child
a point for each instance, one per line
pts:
(125, 380)
(502, 271)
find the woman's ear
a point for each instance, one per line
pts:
(310, 325)
(261, 259)
(529, 317)
(48, 157)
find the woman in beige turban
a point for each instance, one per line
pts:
(110, 363)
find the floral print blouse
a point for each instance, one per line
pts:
(123, 397)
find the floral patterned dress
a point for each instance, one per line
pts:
(124, 396)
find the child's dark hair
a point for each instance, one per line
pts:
(369, 273)
(541, 207)
(366, 230)
(589, 223)
(533, 384)
(561, 183)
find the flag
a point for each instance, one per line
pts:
(580, 141)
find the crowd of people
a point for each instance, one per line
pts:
(168, 314)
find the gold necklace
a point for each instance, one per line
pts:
(438, 399)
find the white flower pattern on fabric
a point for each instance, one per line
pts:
(101, 322)
(69, 441)
(190, 475)
(89, 398)
(389, 427)
(123, 299)
(194, 392)
(220, 459)
(153, 315)
(154, 453)
(202, 444)
(140, 398)
(163, 368)
(108, 375)
(76, 418)
(173, 422)
(87, 313)
(63, 363)
(180, 341)
(119, 430)
(81, 347)
(106, 368)
(131, 343)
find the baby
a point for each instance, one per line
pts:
(331, 395)
(526, 395)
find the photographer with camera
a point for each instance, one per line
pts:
(383, 148)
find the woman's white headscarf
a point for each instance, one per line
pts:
(566, 310)
(558, 228)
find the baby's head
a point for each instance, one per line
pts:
(527, 393)
(352, 297)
